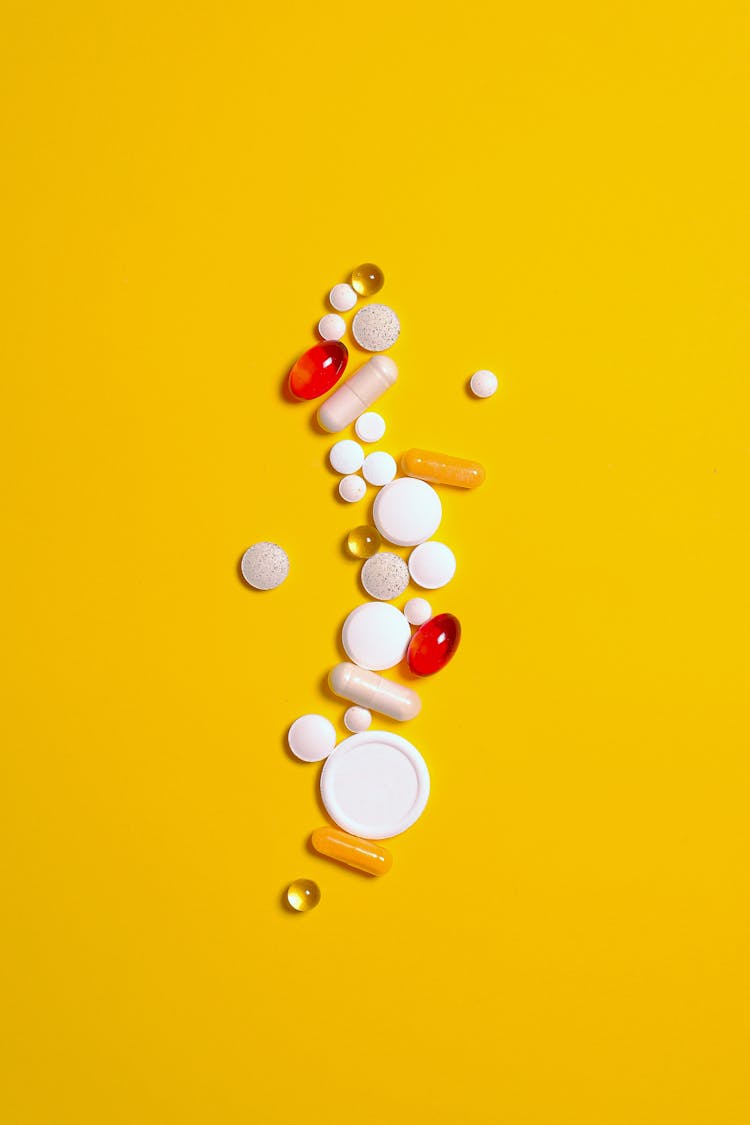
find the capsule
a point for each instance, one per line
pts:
(319, 369)
(439, 468)
(358, 393)
(365, 855)
(374, 692)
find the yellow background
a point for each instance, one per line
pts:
(557, 192)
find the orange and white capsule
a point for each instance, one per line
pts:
(365, 855)
(439, 468)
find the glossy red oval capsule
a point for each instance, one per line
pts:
(319, 369)
(433, 644)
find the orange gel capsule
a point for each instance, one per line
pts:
(439, 468)
(365, 855)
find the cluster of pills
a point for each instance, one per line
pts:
(374, 784)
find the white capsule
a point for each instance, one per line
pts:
(357, 719)
(417, 611)
(379, 468)
(342, 297)
(331, 327)
(432, 565)
(370, 426)
(352, 489)
(346, 456)
(374, 692)
(375, 328)
(483, 383)
(359, 391)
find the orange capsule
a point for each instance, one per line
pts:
(439, 468)
(365, 855)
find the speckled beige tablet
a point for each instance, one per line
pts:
(385, 576)
(265, 566)
(375, 328)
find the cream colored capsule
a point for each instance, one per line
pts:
(374, 692)
(358, 393)
(439, 468)
(365, 855)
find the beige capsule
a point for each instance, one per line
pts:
(370, 690)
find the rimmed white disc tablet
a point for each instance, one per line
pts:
(375, 784)
(375, 636)
(407, 511)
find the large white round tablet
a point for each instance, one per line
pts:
(375, 636)
(432, 565)
(407, 511)
(342, 297)
(370, 426)
(379, 468)
(346, 456)
(375, 785)
(311, 738)
(352, 488)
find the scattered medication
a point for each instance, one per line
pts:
(352, 489)
(318, 369)
(359, 391)
(379, 468)
(439, 468)
(417, 611)
(434, 644)
(375, 328)
(264, 566)
(407, 511)
(311, 738)
(357, 719)
(363, 855)
(385, 576)
(303, 895)
(331, 327)
(363, 542)
(368, 279)
(483, 384)
(346, 456)
(375, 636)
(342, 298)
(375, 692)
(370, 426)
(432, 565)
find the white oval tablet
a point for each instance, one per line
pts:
(352, 489)
(407, 511)
(311, 738)
(385, 576)
(370, 426)
(432, 565)
(379, 468)
(342, 297)
(375, 328)
(375, 636)
(346, 456)
(417, 611)
(265, 565)
(331, 327)
(483, 383)
(357, 719)
(375, 785)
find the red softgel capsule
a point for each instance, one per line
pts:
(319, 369)
(433, 644)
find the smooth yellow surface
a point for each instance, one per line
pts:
(558, 193)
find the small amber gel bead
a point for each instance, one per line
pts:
(303, 895)
(367, 279)
(363, 542)
(365, 855)
(439, 468)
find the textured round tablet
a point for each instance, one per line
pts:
(375, 328)
(407, 511)
(331, 327)
(379, 468)
(375, 636)
(375, 785)
(483, 383)
(352, 489)
(417, 611)
(346, 456)
(311, 738)
(342, 297)
(432, 565)
(358, 719)
(369, 426)
(265, 565)
(385, 576)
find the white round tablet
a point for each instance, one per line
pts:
(483, 383)
(342, 298)
(379, 468)
(375, 785)
(331, 327)
(357, 719)
(346, 456)
(407, 511)
(417, 611)
(432, 565)
(311, 738)
(370, 426)
(375, 328)
(385, 576)
(352, 489)
(375, 636)
(264, 565)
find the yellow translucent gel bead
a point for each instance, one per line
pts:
(303, 895)
(367, 279)
(363, 542)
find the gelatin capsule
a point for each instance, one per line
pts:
(363, 542)
(303, 895)
(318, 369)
(439, 468)
(365, 855)
(370, 690)
(433, 644)
(359, 392)
(368, 279)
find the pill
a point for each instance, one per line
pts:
(303, 895)
(385, 576)
(407, 511)
(375, 636)
(264, 565)
(342, 297)
(363, 542)
(375, 692)
(417, 611)
(375, 328)
(357, 719)
(434, 644)
(331, 327)
(364, 855)
(483, 383)
(359, 391)
(352, 489)
(311, 738)
(346, 456)
(439, 468)
(318, 369)
(368, 279)
(379, 468)
(369, 426)
(432, 565)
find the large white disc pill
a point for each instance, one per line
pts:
(375, 636)
(407, 511)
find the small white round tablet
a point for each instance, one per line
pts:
(432, 565)
(311, 738)
(375, 636)
(342, 297)
(370, 426)
(358, 719)
(375, 328)
(417, 611)
(407, 511)
(385, 576)
(264, 565)
(352, 489)
(331, 327)
(379, 468)
(483, 383)
(375, 784)
(346, 456)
